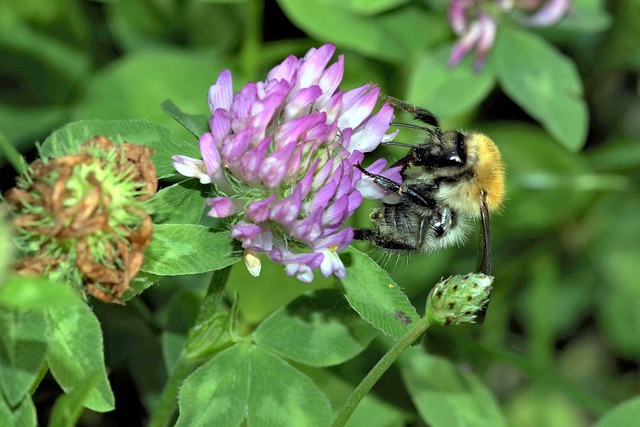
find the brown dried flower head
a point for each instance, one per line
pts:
(81, 218)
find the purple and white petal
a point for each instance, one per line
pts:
(221, 94)
(549, 14)
(193, 168)
(222, 207)
(367, 137)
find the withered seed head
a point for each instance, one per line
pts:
(80, 217)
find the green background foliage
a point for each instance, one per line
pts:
(559, 345)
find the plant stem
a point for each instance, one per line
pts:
(164, 413)
(252, 38)
(379, 369)
(13, 156)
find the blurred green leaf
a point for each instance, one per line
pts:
(618, 155)
(586, 16)
(178, 249)
(23, 345)
(625, 414)
(371, 7)
(545, 182)
(137, 85)
(614, 253)
(319, 329)
(181, 203)
(23, 125)
(374, 296)
(550, 407)
(44, 66)
(68, 407)
(445, 395)
(397, 35)
(448, 91)
(75, 353)
(36, 293)
(156, 24)
(247, 383)
(544, 83)
(23, 415)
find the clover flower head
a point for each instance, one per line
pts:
(475, 22)
(281, 155)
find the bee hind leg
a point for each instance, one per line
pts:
(380, 240)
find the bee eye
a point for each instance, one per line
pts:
(456, 156)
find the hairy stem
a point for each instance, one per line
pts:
(380, 368)
(164, 413)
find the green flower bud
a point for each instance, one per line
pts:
(81, 218)
(458, 299)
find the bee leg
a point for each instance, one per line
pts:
(425, 116)
(405, 190)
(382, 241)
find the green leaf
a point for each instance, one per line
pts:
(139, 284)
(373, 294)
(625, 414)
(319, 329)
(178, 249)
(181, 203)
(67, 140)
(370, 7)
(138, 26)
(137, 84)
(448, 91)
(397, 35)
(446, 396)
(49, 68)
(197, 124)
(619, 155)
(23, 415)
(23, 345)
(75, 353)
(247, 383)
(68, 407)
(35, 293)
(544, 83)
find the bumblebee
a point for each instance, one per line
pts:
(447, 180)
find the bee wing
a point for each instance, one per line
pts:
(484, 256)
